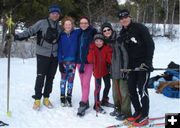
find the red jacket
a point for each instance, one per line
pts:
(100, 59)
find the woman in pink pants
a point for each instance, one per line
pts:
(85, 70)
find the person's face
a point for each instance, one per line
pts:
(54, 16)
(84, 24)
(107, 32)
(68, 26)
(125, 21)
(99, 43)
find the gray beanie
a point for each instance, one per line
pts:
(98, 36)
(106, 24)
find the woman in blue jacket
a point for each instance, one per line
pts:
(67, 49)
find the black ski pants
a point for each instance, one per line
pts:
(46, 70)
(139, 80)
(107, 84)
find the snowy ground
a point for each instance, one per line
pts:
(22, 88)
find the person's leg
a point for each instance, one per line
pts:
(143, 78)
(132, 83)
(42, 69)
(116, 98)
(85, 81)
(126, 102)
(50, 76)
(70, 78)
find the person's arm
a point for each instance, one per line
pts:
(149, 44)
(30, 31)
(90, 57)
(109, 55)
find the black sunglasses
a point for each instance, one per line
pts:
(107, 30)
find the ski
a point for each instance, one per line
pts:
(3, 124)
(148, 125)
(127, 123)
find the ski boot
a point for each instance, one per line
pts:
(69, 102)
(105, 102)
(82, 108)
(63, 100)
(36, 105)
(47, 103)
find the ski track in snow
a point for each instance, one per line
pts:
(22, 88)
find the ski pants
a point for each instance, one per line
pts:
(68, 76)
(85, 81)
(121, 97)
(139, 80)
(46, 70)
(107, 84)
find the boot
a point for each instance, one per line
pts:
(47, 103)
(63, 100)
(134, 117)
(115, 112)
(82, 108)
(105, 102)
(69, 102)
(36, 105)
(97, 107)
(142, 120)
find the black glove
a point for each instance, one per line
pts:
(145, 67)
(81, 69)
(62, 68)
(124, 75)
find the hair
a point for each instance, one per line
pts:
(67, 18)
(84, 17)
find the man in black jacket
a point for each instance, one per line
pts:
(140, 48)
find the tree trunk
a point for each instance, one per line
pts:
(166, 17)
(154, 18)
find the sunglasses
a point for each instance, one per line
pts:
(107, 30)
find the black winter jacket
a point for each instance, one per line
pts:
(139, 44)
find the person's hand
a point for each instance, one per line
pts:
(62, 68)
(145, 67)
(124, 75)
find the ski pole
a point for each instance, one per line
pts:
(140, 69)
(10, 23)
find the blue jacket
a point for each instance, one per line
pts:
(84, 40)
(67, 46)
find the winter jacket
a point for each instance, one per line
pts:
(84, 40)
(119, 56)
(43, 47)
(100, 59)
(139, 44)
(67, 46)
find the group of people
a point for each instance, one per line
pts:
(104, 54)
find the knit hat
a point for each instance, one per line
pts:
(106, 24)
(124, 13)
(54, 8)
(98, 36)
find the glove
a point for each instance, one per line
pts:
(81, 69)
(16, 37)
(124, 75)
(145, 67)
(62, 68)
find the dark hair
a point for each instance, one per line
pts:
(84, 17)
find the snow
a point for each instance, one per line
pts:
(23, 74)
